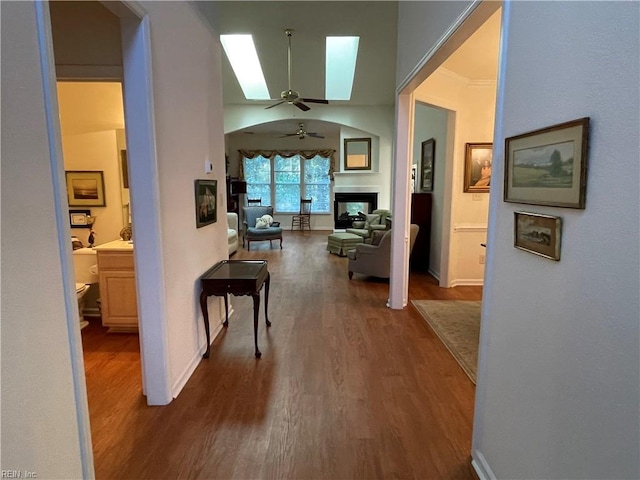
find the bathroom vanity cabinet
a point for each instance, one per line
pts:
(117, 286)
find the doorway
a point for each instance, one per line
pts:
(90, 59)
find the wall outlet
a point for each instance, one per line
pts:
(208, 166)
(481, 260)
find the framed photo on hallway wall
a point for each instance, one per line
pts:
(478, 161)
(206, 202)
(548, 166)
(538, 234)
(427, 161)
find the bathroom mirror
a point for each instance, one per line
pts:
(357, 154)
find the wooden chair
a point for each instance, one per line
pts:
(303, 218)
(254, 202)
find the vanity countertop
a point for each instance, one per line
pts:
(116, 245)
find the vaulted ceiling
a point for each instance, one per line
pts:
(375, 22)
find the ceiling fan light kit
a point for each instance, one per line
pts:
(290, 96)
(301, 133)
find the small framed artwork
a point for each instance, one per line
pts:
(414, 170)
(427, 160)
(538, 234)
(548, 166)
(124, 167)
(478, 160)
(80, 218)
(357, 154)
(206, 204)
(85, 189)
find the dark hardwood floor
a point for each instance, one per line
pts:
(345, 389)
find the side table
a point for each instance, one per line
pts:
(236, 277)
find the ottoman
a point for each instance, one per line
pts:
(339, 243)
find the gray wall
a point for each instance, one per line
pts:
(558, 393)
(560, 367)
(431, 122)
(39, 425)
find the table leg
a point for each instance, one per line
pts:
(256, 313)
(205, 316)
(226, 311)
(266, 298)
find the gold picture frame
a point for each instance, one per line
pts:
(538, 234)
(548, 166)
(85, 188)
(478, 161)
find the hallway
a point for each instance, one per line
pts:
(346, 388)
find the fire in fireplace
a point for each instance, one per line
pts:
(348, 207)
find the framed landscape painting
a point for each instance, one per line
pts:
(85, 188)
(427, 164)
(548, 166)
(206, 205)
(539, 234)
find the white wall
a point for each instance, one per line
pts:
(376, 121)
(474, 107)
(420, 26)
(39, 420)
(431, 122)
(189, 131)
(558, 385)
(90, 115)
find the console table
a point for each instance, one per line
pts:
(236, 277)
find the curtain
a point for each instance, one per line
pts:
(308, 154)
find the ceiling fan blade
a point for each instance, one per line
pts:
(315, 100)
(315, 135)
(275, 104)
(301, 106)
(288, 135)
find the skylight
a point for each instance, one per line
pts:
(340, 67)
(243, 57)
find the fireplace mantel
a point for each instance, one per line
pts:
(357, 188)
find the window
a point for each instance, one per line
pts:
(282, 181)
(257, 173)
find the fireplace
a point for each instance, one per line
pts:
(348, 207)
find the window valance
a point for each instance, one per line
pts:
(308, 154)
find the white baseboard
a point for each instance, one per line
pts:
(197, 357)
(434, 274)
(467, 282)
(482, 468)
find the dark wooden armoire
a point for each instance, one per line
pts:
(421, 216)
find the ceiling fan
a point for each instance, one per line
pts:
(301, 133)
(291, 96)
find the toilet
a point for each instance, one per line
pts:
(81, 291)
(86, 274)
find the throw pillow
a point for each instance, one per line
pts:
(372, 219)
(264, 221)
(376, 236)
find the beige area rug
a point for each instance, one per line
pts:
(457, 323)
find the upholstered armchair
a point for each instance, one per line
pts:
(253, 233)
(376, 220)
(374, 259)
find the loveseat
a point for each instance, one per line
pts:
(232, 232)
(376, 220)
